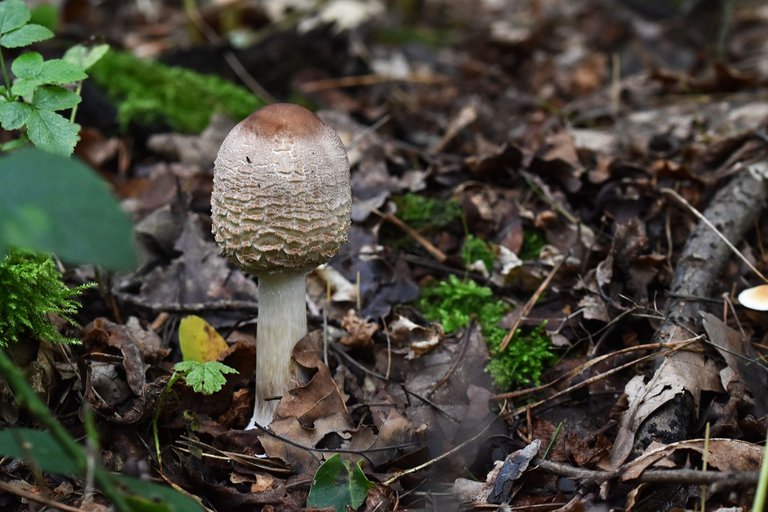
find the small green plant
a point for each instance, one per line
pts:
(533, 241)
(148, 93)
(339, 484)
(454, 302)
(31, 103)
(206, 377)
(32, 289)
(426, 213)
(203, 377)
(475, 249)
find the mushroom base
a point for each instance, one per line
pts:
(282, 322)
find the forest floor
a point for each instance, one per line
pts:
(529, 314)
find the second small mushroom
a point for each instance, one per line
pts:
(755, 298)
(280, 206)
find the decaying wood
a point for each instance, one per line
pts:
(732, 211)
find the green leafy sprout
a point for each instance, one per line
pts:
(203, 377)
(454, 302)
(206, 378)
(40, 88)
(32, 289)
(149, 93)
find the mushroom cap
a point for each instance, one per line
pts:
(281, 199)
(755, 298)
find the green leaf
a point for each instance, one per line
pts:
(14, 114)
(57, 204)
(206, 378)
(36, 447)
(85, 57)
(150, 497)
(339, 485)
(52, 132)
(59, 71)
(24, 36)
(13, 14)
(32, 71)
(46, 15)
(53, 97)
(26, 68)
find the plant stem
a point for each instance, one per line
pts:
(160, 406)
(78, 90)
(6, 77)
(762, 483)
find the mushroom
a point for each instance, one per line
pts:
(755, 298)
(280, 206)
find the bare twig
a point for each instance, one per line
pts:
(426, 244)
(579, 369)
(192, 307)
(680, 199)
(529, 305)
(459, 358)
(399, 475)
(368, 80)
(31, 496)
(312, 450)
(678, 476)
(408, 392)
(592, 380)
(190, 7)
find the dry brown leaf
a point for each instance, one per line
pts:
(741, 357)
(419, 339)
(685, 372)
(319, 397)
(360, 331)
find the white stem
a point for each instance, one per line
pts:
(282, 322)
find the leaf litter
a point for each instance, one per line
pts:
(554, 128)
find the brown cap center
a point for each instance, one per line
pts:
(283, 117)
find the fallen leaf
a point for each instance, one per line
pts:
(199, 341)
(669, 380)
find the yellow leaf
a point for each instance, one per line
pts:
(199, 341)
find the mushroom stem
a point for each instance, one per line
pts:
(282, 322)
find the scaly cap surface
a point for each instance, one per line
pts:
(281, 196)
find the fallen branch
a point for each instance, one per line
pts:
(677, 476)
(732, 211)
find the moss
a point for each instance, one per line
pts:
(454, 302)
(522, 362)
(425, 213)
(417, 34)
(32, 289)
(149, 93)
(533, 241)
(475, 249)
